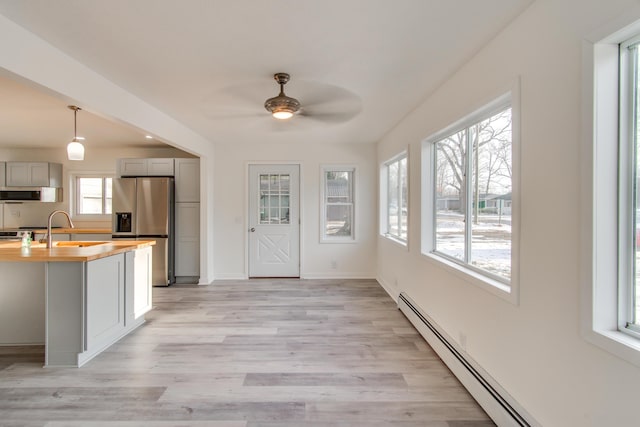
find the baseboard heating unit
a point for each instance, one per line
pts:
(502, 409)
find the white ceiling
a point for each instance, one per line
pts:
(357, 66)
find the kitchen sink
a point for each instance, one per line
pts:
(75, 244)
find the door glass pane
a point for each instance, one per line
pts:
(449, 193)
(274, 199)
(491, 194)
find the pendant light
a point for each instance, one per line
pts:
(75, 149)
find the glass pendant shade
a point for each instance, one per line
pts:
(282, 114)
(75, 150)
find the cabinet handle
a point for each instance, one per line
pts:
(252, 229)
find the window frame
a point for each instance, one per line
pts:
(75, 195)
(603, 301)
(352, 169)
(497, 285)
(384, 198)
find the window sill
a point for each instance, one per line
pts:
(617, 343)
(395, 240)
(489, 284)
(347, 240)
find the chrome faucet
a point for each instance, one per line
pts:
(49, 224)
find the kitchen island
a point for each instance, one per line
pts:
(76, 297)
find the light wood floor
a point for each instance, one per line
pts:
(249, 353)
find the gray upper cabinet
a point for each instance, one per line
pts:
(187, 178)
(145, 167)
(2, 172)
(33, 174)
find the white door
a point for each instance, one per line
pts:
(274, 221)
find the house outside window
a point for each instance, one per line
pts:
(338, 204)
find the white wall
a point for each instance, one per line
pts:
(354, 260)
(533, 349)
(96, 160)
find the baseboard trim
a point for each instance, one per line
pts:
(503, 409)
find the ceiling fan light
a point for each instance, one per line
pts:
(75, 150)
(282, 114)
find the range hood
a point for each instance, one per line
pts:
(30, 194)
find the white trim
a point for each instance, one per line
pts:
(354, 197)
(505, 289)
(485, 389)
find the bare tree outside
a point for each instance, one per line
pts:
(473, 185)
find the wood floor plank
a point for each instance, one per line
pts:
(257, 353)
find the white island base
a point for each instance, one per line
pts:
(89, 305)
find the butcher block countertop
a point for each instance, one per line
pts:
(68, 251)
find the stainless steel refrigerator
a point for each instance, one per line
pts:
(143, 209)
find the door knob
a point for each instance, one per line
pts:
(252, 229)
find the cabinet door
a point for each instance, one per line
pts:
(2, 174)
(132, 167)
(160, 167)
(38, 174)
(31, 174)
(187, 180)
(105, 300)
(187, 250)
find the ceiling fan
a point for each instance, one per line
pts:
(315, 102)
(282, 107)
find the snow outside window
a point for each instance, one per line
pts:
(472, 194)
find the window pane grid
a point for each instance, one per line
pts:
(338, 204)
(93, 195)
(274, 198)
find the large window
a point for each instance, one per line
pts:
(338, 188)
(92, 195)
(395, 198)
(629, 196)
(610, 212)
(468, 192)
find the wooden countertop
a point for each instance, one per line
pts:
(66, 230)
(65, 252)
